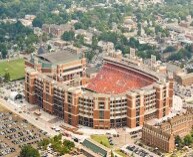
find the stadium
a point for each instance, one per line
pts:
(124, 92)
(113, 79)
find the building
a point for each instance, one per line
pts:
(87, 35)
(163, 135)
(121, 93)
(184, 78)
(90, 148)
(56, 30)
(107, 47)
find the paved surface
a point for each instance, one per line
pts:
(40, 123)
(141, 148)
(177, 107)
(15, 132)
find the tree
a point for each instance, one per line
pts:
(139, 29)
(68, 36)
(94, 42)
(178, 141)
(37, 22)
(29, 151)
(57, 138)
(44, 37)
(89, 55)
(49, 47)
(109, 36)
(68, 3)
(80, 39)
(30, 49)
(188, 140)
(169, 49)
(44, 143)
(68, 144)
(7, 77)
(3, 50)
(78, 25)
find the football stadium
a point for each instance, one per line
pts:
(124, 91)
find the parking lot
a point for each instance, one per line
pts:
(183, 92)
(16, 132)
(137, 151)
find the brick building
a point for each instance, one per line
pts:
(184, 78)
(121, 94)
(56, 30)
(163, 135)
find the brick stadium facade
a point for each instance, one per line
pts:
(121, 94)
(163, 135)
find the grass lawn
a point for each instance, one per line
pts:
(14, 67)
(120, 153)
(102, 139)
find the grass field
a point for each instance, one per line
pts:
(102, 139)
(14, 67)
(120, 153)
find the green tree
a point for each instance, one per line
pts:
(29, 151)
(49, 47)
(80, 39)
(30, 49)
(3, 50)
(68, 36)
(94, 42)
(44, 143)
(68, 3)
(188, 140)
(169, 49)
(44, 37)
(78, 25)
(139, 29)
(37, 22)
(68, 144)
(7, 77)
(89, 55)
(178, 141)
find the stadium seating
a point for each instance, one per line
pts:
(112, 79)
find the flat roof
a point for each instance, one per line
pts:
(173, 68)
(91, 70)
(59, 57)
(186, 76)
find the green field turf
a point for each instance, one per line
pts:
(14, 67)
(102, 139)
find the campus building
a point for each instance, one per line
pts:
(56, 30)
(124, 92)
(163, 135)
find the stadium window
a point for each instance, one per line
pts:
(47, 97)
(164, 112)
(137, 113)
(101, 114)
(101, 105)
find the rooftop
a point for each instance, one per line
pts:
(97, 148)
(59, 57)
(91, 70)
